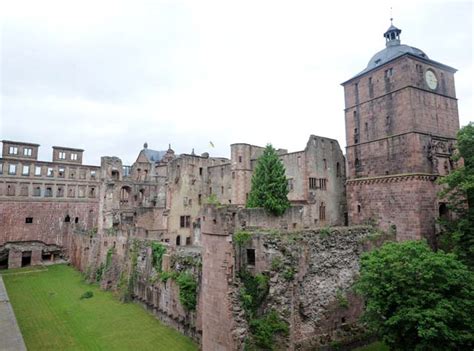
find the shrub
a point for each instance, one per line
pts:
(264, 330)
(187, 291)
(242, 237)
(417, 299)
(87, 295)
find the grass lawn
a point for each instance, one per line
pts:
(52, 316)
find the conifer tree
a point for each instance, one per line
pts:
(269, 184)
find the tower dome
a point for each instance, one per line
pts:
(393, 49)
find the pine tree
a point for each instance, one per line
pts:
(269, 184)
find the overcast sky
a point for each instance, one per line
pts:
(106, 76)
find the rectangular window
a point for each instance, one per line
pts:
(62, 155)
(222, 190)
(61, 172)
(290, 184)
(1, 168)
(313, 183)
(29, 220)
(240, 159)
(81, 192)
(48, 192)
(50, 172)
(71, 191)
(60, 191)
(12, 169)
(72, 173)
(92, 192)
(27, 151)
(82, 174)
(185, 222)
(37, 170)
(13, 150)
(24, 190)
(93, 174)
(322, 184)
(200, 171)
(73, 156)
(251, 257)
(36, 190)
(26, 170)
(199, 199)
(389, 73)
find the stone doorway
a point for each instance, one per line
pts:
(4, 260)
(26, 258)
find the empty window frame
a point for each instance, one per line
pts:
(81, 192)
(313, 183)
(27, 151)
(37, 171)
(73, 156)
(322, 212)
(12, 169)
(24, 190)
(61, 155)
(93, 174)
(50, 172)
(11, 190)
(61, 172)
(25, 170)
(322, 183)
(185, 222)
(60, 191)
(36, 190)
(92, 192)
(290, 184)
(251, 257)
(29, 220)
(13, 150)
(49, 191)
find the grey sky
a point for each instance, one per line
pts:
(107, 76)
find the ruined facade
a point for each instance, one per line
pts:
(43, 203)
(401, 122)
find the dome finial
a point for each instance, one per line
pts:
(392, 35)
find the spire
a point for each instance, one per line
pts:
(392, 35)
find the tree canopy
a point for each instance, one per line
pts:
(269, 184)
(417, 299)
(458, 235)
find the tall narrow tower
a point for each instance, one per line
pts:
(401, 118)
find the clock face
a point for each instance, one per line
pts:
(431, 79)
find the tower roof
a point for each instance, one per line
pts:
(394, 49)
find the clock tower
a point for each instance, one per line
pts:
(401, 118)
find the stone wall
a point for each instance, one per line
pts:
(310, 273)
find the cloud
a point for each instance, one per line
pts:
(107, 76)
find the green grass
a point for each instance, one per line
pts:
(376, 346)
(52, 316)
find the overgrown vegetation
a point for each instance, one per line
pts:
(264, 330)
(325, 232)
(212, 200)
(342, 299)
(263, 326)
(242, 237)
(187, 291)
(157, 252)
(458, 233)
(417, 299)
(269, 184)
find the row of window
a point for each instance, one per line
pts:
(317, 183)
(13, 150)
(50, 191)
(39, 171)
(72, 156)
(67, 219)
